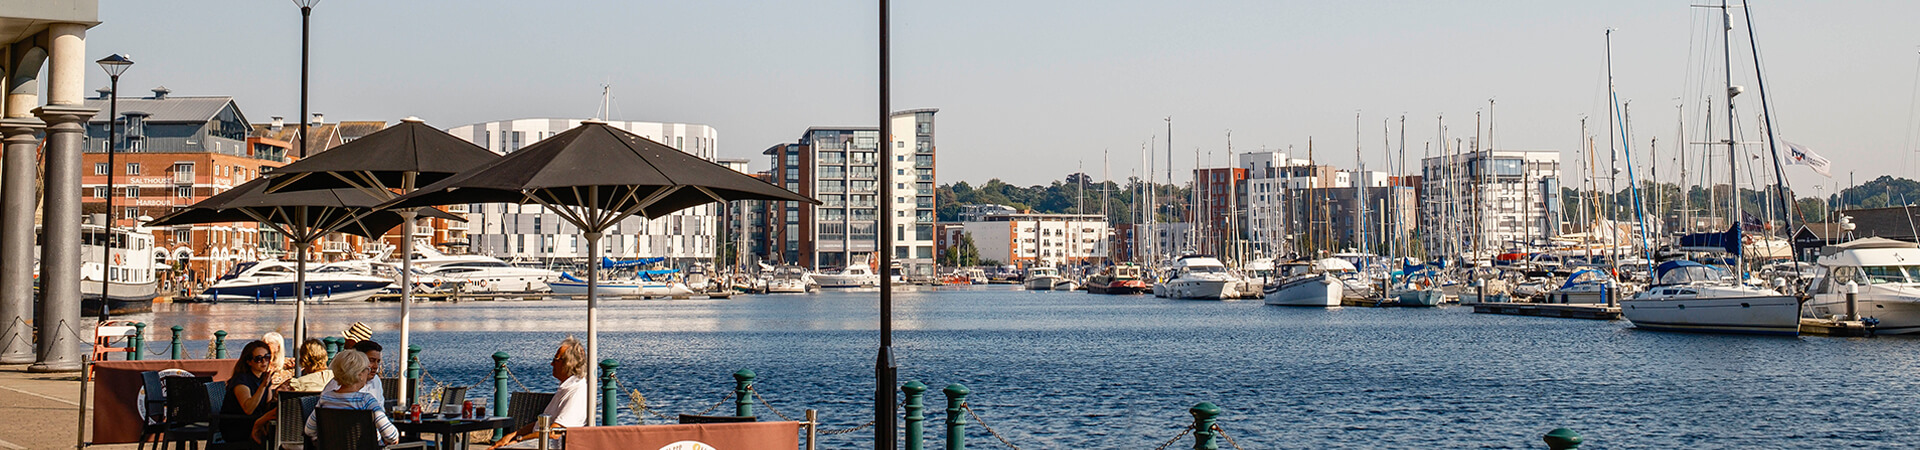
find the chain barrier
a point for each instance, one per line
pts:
(846, 430)
(516, 380)
(1176, 438)
(983, 424)
(763, 402)
(1223, 433)
(637, 402)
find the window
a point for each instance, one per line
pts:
(100, 192)
(183, 191)
(99, 168)
(133, 168)
(183, 235)
(133, 192)
(130, 213)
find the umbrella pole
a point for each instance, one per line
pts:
(593, 320)
(406, 290)
(300, 291)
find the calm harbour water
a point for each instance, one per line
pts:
(1073, 370)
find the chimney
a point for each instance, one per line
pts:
(105, 93)
(160, 93)
(318, 118)
(279, 122)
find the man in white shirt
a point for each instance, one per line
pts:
(372, 349)
(569, 405)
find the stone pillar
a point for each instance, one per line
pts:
(67, 65)
(17, 203)
(59, 326)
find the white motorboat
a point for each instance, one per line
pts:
(620, 287)
(1886, 274)
(1043, 278)
(853, 276)
(1589, 286)
(1316, 285)
(481, 274)
(270, 281)
(1690, 296)
(130, 279)
(789, 280)
(1199, 277)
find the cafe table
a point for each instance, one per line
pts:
(452, 430)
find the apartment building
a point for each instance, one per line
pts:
(840, 166)
(1490, 199)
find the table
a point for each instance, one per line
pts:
(452, 431)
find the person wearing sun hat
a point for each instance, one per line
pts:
(356, 333)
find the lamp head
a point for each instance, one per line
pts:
(115, 64)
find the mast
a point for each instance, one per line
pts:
(1733, 157)
(1479, 165)
(1626, 147)
(1359, 191)
(1400, 238)
(1766, 114)
(1106, 197)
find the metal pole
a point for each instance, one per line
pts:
(306, 14)
(106, 234)
(886, 373)
(406, 286)
(593, 306)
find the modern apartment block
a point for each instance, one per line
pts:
(1489, 200)
(1027, 240)
(530, 231)
(840, 166)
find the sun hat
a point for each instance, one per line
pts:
(358, 332)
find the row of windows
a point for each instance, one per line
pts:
(135, 191)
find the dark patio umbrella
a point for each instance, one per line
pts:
(593, 176)
(303, 216)
(384, 165)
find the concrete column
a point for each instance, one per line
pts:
(17, 203)
(67, 69)
(59, 327)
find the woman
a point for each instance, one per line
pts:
(249, 392)
(313, 362)
(351, 371)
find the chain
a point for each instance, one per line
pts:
(640, 400)
(716, 405)
(1223, 433)
(983, 424)
(1183, 433)
(516, 380)
(847, 430)
(763, 402)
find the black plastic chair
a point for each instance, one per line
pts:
(290, 420)
(189, 414)
(154, 424)
(525, 407)
(390, 389)
(351, 429)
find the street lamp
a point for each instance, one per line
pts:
(306, 14)
(115, 65)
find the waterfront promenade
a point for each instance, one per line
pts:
(37, 410)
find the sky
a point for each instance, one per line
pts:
(1052, 87)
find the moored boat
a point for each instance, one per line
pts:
(1690, 296)
(1118, 279)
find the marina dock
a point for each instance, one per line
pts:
(1562, 310)
(1834, 328)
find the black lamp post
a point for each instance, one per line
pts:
(115, 65)
(306, 14)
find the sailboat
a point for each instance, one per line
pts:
(1689, 296)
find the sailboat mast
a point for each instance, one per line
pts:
(1733, 158)
(1766, 115)
(1359, 190)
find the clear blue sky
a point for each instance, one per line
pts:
(1047, 86)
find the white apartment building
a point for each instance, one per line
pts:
(1026, 240)
(530, 231)
(1489, 199)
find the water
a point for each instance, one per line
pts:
(1072, 370)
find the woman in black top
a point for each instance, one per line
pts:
(249, 391)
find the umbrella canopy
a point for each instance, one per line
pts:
(593, 176)
(384, 160)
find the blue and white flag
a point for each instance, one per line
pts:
(1800, 154)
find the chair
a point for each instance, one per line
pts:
(110, 332)
(694, 418)
(452, 399)
(351, 429)
(525, 407)
(154, 421)
(189, 414)
(390, 389)
(290, 421)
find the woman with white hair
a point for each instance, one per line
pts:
(569, 405)
(352, 370)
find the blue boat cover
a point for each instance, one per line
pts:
(610, 263)
(1728, 241)
(1662, 269)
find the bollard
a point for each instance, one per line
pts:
(139, 343)
(916, 433)
(220, 344)
(743, 393)
(1480, 290)
(333, 346)
(500, 394)
(176, 348)
(1203, 420)
(956, 416)
(413, 373)
(1853, 294)
(608, 393)
(1562, 439)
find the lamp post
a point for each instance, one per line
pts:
(115, 65)
(306, 16)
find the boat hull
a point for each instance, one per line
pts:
(1126, 287)
(1318, 291)
(1768, 315)
(846, 281)
(1418, 297)
(622, 289)
(1897, 314)
(317, 291)
(1199, 289)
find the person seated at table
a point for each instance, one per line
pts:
(278, 345)
(249, 392)
(313, 362)
(569, 405)
(351, 371)
(373, 386)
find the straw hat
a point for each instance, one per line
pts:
(358, 332)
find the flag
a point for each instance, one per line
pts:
(1800, 154)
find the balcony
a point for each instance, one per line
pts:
(185, 178)
(336, 247)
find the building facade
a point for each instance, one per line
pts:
(1026, 240)
(840, 166)
(1489, 200)
(530, 231)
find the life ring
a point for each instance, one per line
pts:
(119, 260)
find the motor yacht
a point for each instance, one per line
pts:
(642, 284)
(481, 274)
(789, 280)
(1043, 278)
(270, 281)
(1886, 275)
(852, 276)
(1689, 296)
(1316, 284)
(1199, 277)
(1118, 279)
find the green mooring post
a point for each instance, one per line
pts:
(1562, 439)
(743, 393)
(139, 343)
(500, 394)
(916, 418)
(956, 416)
(413, 371)
(220, 344)
(176, 348)
(333, 346)
(1203, 420)
(609, 411)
